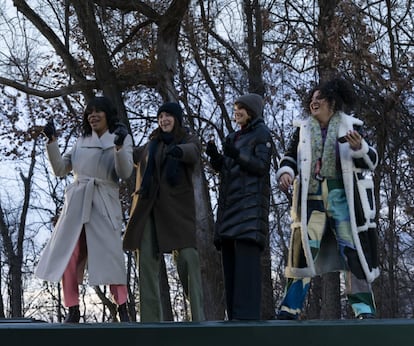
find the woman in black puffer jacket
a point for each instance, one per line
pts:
(242, 216)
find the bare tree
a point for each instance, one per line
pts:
(141, 54)
(13, 235)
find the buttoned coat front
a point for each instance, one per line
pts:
(91, 202)
(173, 207)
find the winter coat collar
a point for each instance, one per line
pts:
(93, 141)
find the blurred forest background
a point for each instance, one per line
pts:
(202, 53)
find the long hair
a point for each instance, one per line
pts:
(337, 91)
(99, 104)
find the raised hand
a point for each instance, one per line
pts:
(120, 133)
(211, 149)
(49, 130)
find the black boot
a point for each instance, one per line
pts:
(73, 316)
(123, 313)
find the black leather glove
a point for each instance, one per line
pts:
(230, 150)
(120, 133)
(175, 151)
(211, 149)
(49, 130)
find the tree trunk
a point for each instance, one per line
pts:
(167, 55)
(254, 38)
(104, 70)
(167, 58)
(327, 297)
(210, 259)
(331, 296)
(2, 315)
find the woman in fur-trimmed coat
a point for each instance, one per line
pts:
(333, 207)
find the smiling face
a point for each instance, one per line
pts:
(97, 121)
(240, 116)
(166, 121)
(320, 108)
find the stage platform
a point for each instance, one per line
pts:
(378, 332)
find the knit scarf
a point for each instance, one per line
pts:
(323, 152)
(149, 170)
(174, 168)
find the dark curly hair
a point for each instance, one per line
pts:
(99, 104)
(337, 91)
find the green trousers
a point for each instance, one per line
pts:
(188, 267)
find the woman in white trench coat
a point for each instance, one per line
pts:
(88, 231)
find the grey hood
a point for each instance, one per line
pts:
(254, 102)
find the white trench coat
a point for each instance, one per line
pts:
(91, 201)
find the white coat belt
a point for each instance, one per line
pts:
(92, 187)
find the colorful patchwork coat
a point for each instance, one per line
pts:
(359, 193)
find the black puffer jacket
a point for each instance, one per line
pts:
(245, 186)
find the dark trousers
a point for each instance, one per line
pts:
(242, 279)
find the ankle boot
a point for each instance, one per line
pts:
(73, 316)
(123, 313)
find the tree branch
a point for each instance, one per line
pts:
(48, 94)
(70, 63)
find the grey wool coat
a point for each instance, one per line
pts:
(91, 202)
(172, 207)
(359, 195)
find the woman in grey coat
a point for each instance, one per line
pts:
(243, 208)
(89, 227)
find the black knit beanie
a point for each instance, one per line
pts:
(174, 109)
(252, 101)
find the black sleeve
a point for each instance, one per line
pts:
(290, 157)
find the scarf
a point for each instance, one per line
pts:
(323, 152)
(149, 170)
(173, 168)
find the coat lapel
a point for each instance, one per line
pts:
(104, 142)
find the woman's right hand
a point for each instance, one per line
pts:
(211, 149)
(285, 181)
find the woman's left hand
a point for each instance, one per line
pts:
(354, 139)
(120, 133)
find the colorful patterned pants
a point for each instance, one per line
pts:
(329, 210)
